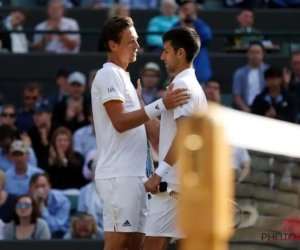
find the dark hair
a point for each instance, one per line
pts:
(185, 38)
(7, 131)
(35, 210)
(31, 86)
(23, 11)
(213, 80)
(246, 9)
(113, 29)
(35, 177)
(273, 72)
(258, 43)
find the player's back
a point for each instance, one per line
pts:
(168, 127)
(120, 154)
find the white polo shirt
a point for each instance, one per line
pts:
(120, 154)
(168, 128)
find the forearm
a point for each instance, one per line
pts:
(245, 172)
(242, 105)
(68, 42)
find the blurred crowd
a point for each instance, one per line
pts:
(48, 148)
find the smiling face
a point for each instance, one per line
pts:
(170, 57)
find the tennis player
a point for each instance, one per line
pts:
(181, 45)
(121, 137)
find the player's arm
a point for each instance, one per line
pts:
(113, 98)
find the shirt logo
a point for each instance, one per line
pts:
(157, 107)
(111, 89)
(126, 224)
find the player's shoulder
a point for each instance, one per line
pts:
(108, 74)
(188, 81)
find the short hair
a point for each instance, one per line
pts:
(2, 179)
(113, 29)
(258, 43)
(213, 80)
(23, 11)
(295, 53)
(186, 38)
(35, 210)
(273, 72)
(31, 86)
(7, 131)
(35, 177)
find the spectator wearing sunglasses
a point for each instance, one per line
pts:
(8, 115)
(6, 200)
(26, 224)
(7, 135)
(32, 93)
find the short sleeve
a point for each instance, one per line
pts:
(189, 108)
(243, 156)
(110, 86)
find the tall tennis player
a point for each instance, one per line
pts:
(181, 45)
(122, 137)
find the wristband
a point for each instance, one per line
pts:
(163, 169)
(155, 109)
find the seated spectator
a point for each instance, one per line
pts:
(95, 4)
(291, 79)
(26, 224)
(6, 200)
(274, 101)
(212, 90)
(84, 139)
(90, 159)
(8, 115)
(53, 205)
(19, 176)
(7, 136)
(246, 20)
(57, 43)
(62, 82)
(119, 9)
(188, 17)
(141, 4)
(72, 112)
(14, 42)
(31, 94)
(248, 80)
(162, 24)
(150, 78)
(64, 165)
(66, 3)
(83, 226)
(88, 201)
(40, 134)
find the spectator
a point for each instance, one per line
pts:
(14, 42)
(83, 226)
(31, 94)
(66, 3)
(248, 80)
(162, 24)
(188, 18)
(274, 101)
(84, 139)
(2, 224)
(40, 134)
(7, 136)
(26, 224)
(90, 160)
(64, 165)
(62, 82)
(89, 201)
(58, 43)
(150, 77)
(119, 9)
(95, 4)
(72, 112)
(8, 115)
(53, 205)
(241, 161)
(246, 20)
(141, 4)
(19, 176)
(165, 85)
(6, 200)
(291, 79)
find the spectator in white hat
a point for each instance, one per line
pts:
(72, 111)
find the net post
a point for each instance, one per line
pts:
(206, 181)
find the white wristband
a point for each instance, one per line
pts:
(155, 109)
(163, 169)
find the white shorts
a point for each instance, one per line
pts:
(162, 219)
(125, 204)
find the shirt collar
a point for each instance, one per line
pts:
(186, 72)
(26, 174)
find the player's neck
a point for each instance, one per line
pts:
(182, 68)
(117, 61)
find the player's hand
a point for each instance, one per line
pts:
(152, 184)
(175, 98)
(139, 89)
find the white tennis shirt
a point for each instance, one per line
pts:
(120, 154)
